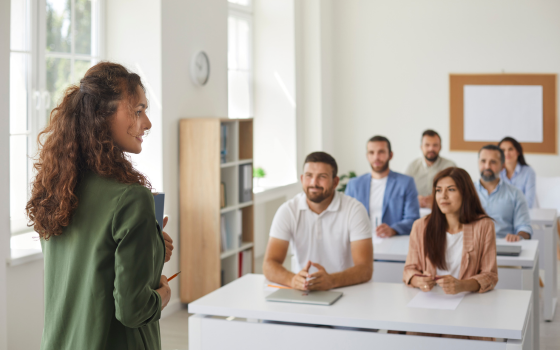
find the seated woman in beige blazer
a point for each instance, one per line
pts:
(454, 246)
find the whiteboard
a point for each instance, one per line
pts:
(492, 112)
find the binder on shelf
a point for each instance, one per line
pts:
(223, 233)
(245, 262)
(223, 142)
(245, 183)
(239, 230)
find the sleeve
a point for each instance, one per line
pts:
(135, 232)
(413, 263)
(487, 275)
(360, 224)
(411, 209)
(521, 217)
(281, 227)
(531, 187)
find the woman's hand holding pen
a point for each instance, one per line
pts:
(424, 282)
(168, 241)
(164, 291)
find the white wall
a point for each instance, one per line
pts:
(274, 86)
(133, 39)
(392, 59)
(4, 165)
(187, 27)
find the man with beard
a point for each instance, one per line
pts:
(503, 202)
(424, 169)
(390, 198)
(330, 233)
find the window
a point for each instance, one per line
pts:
(41, 68)
(240, 66)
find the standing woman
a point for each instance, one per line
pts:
(103, 249)
(516, 171)
(455, 243)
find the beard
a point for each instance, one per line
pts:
(318, 197)
(488, 175)
(380, 169)
(431, 156)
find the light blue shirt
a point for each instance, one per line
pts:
(507, 206)
(525, 179)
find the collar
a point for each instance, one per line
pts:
(426, 166)
(334, 206)
(481, 188)
(515, 172)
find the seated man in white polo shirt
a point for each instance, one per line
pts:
(330, 233)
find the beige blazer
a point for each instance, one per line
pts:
(479, 254)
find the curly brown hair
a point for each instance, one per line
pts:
(78, 140)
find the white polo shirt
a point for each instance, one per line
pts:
(325, 238)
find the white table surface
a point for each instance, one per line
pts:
(376, 306)
(396, 249)
(541, 215)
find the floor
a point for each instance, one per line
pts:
(174, 327)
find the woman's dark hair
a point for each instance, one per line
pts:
(77, 140)
(518, 148)
(471, 211)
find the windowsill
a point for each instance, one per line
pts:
(24, 248)
(263, 194)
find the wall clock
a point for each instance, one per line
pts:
(200, 68)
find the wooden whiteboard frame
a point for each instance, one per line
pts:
(456, 109)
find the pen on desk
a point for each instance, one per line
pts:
(172, 277)
(276, 286)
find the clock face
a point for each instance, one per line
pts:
(200, 68)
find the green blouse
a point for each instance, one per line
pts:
(101, 273)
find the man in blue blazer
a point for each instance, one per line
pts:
(390, 198)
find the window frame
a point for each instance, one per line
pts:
(37, 94)
(245, 13)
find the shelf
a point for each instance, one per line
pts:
(245, 161)
(228, 164)
(244, 246)
(239, 162)
(234, 207)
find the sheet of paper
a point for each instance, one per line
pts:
(436, 299)
(377, 240)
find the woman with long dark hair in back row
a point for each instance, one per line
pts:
(455, 246)
(103, 248)
(516, 171)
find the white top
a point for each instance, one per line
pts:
(453, 255)
(499, 313)
(324, 239)
(376, 194)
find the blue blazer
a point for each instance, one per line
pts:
(400, 202)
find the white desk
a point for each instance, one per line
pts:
(520, 273)
(543, 222)
(369, 306)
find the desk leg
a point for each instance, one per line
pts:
(534, 280)
(195, 332)
(527, 343)
(550, 282)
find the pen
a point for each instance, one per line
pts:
(419, 275)
(172, 277)
(275, 286)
